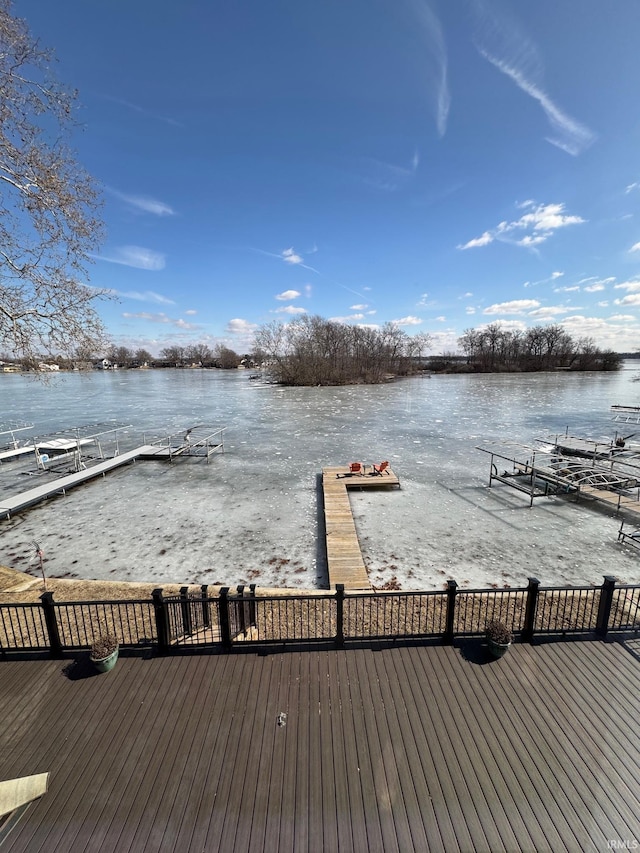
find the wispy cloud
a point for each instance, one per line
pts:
(137, 257)
(553, 277)
(145, 296)
(291, 309)
(435, 61)
(425, 302)
(144, 203)
(634, 186)
(501, 42)
(389, 177)
(549, 311)
(541, 222)
(632, 286)
(348, 319)
(408, 321)
(160, 318)
(289, 256)
(515, 306)
(358, 307)
(287, 295)
(142, 111)
(635, 247)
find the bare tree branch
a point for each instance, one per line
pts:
(49, 224)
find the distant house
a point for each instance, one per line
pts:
(105, 364)
(8, 368)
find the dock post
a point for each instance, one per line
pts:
(223, 610)
(187, 628)
(452, 589)
(252, 605)
(530, 610)
(55, 645)
(206, 616)
(340, 614)
(242, 627)
(161, 621)
(604, 608)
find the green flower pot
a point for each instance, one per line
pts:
(497, 649)
(106, 664)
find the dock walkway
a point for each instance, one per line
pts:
(344, 558)
(61, 485)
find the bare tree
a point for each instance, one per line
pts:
(48, 207)
(176, 355)
(313, 351)
(225, 358)
(199, 354)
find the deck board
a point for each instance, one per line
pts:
(407, 748)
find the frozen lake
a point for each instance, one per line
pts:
(251, 516)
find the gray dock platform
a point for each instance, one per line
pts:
(61, 485)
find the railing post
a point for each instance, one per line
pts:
(604, 608)
(340, 614)
(186, 610)
(452, 589)
(206, 616)
(243, 621)
(530, 610)
(252, 605)
(55, 646)
(225, 629)
(162, 627)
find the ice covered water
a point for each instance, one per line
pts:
(252, 514)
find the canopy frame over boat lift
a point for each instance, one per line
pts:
(543, 472)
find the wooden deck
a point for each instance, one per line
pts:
(396, 749)
(344, 558)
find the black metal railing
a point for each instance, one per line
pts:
(625, 608)
(190, 614)
(476, 607)
(243, 618)
(131, 622)
(387, 615)
(567, 610)
(22, 626)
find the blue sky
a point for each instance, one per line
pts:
(442, 165)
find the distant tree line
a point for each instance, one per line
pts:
(313, 351)
(194, 355)
(493, 348)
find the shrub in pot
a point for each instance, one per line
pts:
(104, 652)
(499, 638)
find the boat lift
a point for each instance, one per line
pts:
(543, 472)
(199, 441)
(13, 445)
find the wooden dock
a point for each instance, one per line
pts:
(344, 558)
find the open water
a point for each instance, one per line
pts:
(252, 514)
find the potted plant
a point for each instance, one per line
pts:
(104, 652)
(499, 638)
